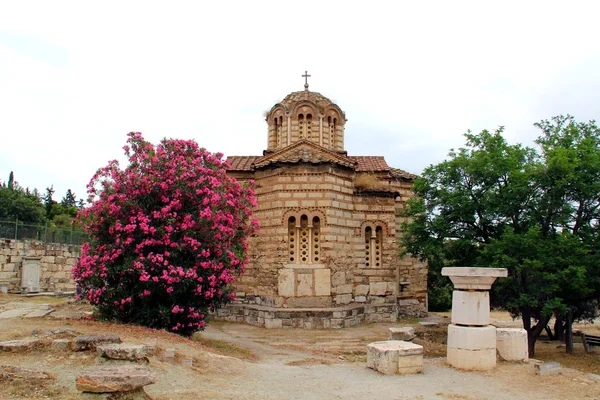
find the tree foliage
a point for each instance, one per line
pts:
(532, 211)
(168, 235)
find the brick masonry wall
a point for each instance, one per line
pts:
(56, 262)
(328, 189)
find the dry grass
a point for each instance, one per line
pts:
(367, 182)
(225, 348)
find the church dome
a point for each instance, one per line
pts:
(306, 115)
(306, 95)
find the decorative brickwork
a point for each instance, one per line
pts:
(325, 244)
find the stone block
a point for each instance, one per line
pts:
(343, 289)
(474, 278)
(360, 299)
(477, 360)
(304, 284)
(90, 342)
(472, 338)
(547, 368)
(361, 290)
(410, 364)
(338, 278)
(377, 288)
(395, 356)
(19, 346)
(470, 308)
(343, 299)
(322, 282)
(511, 344)
(60, 345)
(168, 354)
(403, 333)
(285, 282)
(274, 323)
(109, 379)
(123, 351)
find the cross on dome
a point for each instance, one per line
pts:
(306, 76)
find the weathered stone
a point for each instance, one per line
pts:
(38, 313)
(361, 290)
(123, 351)
(138, 394)
(466, 278)
(402, 333)
(14, 372)
(547, 368)
(168, 354)
(511, 344)
(472, 348)
(322, 281)
(104, 379)
(395, 357)
(471, 308)
(60, 345)
(90, 342)
(377, 288)
(18, 346)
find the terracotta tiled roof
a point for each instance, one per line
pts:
(315, 97)
(305, 151)
(370, 163)
(399, 173)
(242, 163)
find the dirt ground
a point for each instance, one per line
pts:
(236, 361)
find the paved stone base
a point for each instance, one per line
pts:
(307, 318)
(472, 348)
(395, 357)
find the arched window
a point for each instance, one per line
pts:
(278, 130)
(308, 125)
(301, 126)
(373, 246)
(304, 240)
(332, 123)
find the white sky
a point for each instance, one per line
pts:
(412, 77)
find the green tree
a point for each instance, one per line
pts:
(69, 200)
(11, 180)
(534, 213)
(17, 203)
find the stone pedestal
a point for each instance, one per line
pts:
(471, 340)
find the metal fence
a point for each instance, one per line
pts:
(19, 231)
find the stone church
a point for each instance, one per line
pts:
(327, 253)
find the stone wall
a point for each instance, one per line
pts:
(55, 261)
(341, 277)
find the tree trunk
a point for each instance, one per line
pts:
(533, 332)
(559, 328)
(549, 332)
(569, 332)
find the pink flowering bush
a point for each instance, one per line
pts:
(168, 236)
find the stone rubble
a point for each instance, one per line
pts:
(90, 342)
(123, 351)
(403, 333)
(123, 378)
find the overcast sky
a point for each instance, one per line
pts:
(412, 77)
